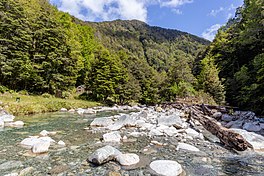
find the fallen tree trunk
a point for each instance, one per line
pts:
(228, 137)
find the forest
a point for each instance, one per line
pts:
(44, 50)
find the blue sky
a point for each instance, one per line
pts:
(198, 17)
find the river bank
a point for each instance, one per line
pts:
(17, 104)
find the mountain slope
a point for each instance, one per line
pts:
(158, 46)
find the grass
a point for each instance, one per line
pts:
(29, 104)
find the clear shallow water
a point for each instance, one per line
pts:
(71, 160)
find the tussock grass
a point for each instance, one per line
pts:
(29, 104)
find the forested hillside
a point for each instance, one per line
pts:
(238, 50)
(44, 50)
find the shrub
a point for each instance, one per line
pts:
(46, 95)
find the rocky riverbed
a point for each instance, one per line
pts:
(121, 141)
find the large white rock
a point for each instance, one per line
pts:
(61, 143)
(185, 146)
(102, 122)
(256, 140)
(7, 118)
(112, 137)
(192, 133)
(29, 142)
(104, 154)
(171, 131)
(166, 167)
(41, 147)
(172, 120)
(63, 110)
(155, 132)
(128, 159)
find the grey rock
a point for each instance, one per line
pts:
(217, 115)
(112, 137)
(172, 120)
(251, 127)
(102, 122)
(128, 159)
(166, 167)
(185, 146)
(104, 155)
(192, 133)
(227, 118)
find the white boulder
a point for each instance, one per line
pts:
(104, 154)
(41, 147)
(185, 146)
(128, 159)
(166, 167)
(102, 122)
(112, 137)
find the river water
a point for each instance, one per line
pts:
(212, 160)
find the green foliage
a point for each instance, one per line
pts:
(238, 51)
(209, 80)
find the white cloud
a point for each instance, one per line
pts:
(215, 12)
(174, 3)
(228, 12)
(91, 10)
(177, 11)
(209, 33)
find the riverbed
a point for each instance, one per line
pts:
(212, 159)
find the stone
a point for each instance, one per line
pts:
(61, 143)
(227, 118)
(171, 131)
(112, 137)
(7, 118)
(26, 171)
(89, 111)
(10, 165)
(256, 140)
(63, 110)
(158, 109)
(114, 173)
(172, 120)
(2, 123)
(41, 147)
(155, 132)
(17, 124)
(166, 167)
(104, 155)
(102, 122)
(185, 146)
(192, 133)
(29, 142)
(217, 115)
(44, 133)
(251, 127)
(127, 159)
(72, 111)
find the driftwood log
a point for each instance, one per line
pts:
(203, 114)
